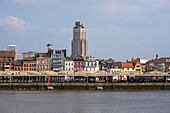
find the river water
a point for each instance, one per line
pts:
(84, 102)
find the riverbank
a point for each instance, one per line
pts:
(85, 86)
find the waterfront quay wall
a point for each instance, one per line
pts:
(86, 86)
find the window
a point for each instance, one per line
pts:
(93, 63)
(89, 63)
(127, 68)
(161, 64)
(151, 64)
(86, 63)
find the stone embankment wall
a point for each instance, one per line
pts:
(86, 86)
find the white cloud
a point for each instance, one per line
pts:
(14, 23)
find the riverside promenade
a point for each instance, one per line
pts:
(86, 86)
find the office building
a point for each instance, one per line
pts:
(13, 47)
(79, 42)
(57, 59)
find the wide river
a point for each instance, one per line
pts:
(84, 102)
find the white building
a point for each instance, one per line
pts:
(69, 65)
(91, 65)
(13, 47)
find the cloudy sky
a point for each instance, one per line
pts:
(118, 29)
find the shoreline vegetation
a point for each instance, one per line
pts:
(86, 86)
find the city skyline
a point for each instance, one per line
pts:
(115, 29)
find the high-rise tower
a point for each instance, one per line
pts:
(13, 47)
(79, 42)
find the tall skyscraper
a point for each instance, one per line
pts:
(13, 47)
(79, 42)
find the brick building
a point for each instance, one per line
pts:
(7, 60)
(78, 64)
(43, 62)
(161, 64)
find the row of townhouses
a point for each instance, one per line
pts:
(56, 60)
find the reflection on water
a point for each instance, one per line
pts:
(84, 102)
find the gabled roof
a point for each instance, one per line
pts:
(136, 60)
(7, 53)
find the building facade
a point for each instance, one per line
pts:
(29, 64)
(43, 62)
(143, 65)
(128, 67)
(57, 59)
(161, 64)
(7, 60)
(78, 64)
(137, 65)
(29, 61)
(69, 64)
(18, 65)
(114, 67)
(91, 65)
(79, 42)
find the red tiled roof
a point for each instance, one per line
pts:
(127, 65)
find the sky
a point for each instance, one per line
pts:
(117, 29)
